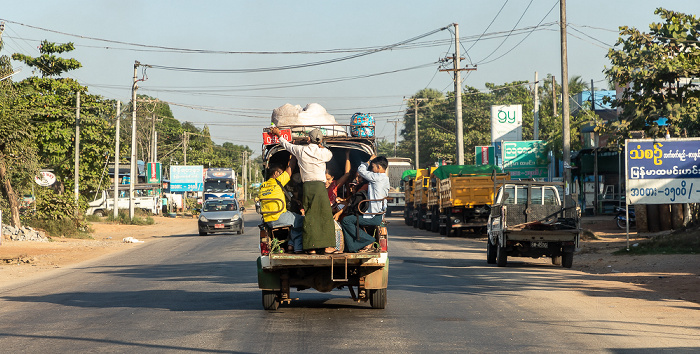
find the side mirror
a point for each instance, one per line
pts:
(242, 208)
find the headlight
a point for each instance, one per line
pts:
(235, 217)
(202, 218)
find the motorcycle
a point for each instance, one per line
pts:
(621, 219)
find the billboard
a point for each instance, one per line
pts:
(153, 174)
(506, 123)
(525, 159)
(186, 178)
(662, 171)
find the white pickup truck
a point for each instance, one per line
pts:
(144, 199)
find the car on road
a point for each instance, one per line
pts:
(221, 215)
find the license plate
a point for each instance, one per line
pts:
(539, 244)
(218, 226)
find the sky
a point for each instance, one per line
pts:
(228, 49)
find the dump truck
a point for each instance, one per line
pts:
(465, 196)
(407, 182)
(529, 220)
(366, 275)
(420, 197)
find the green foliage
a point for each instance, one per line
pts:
(48, 63)
(681, 242)
(651, 67)
(140, 218)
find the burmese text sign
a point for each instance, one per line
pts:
(525, 159)
(186, 178)
(662, 171)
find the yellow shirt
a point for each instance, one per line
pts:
(270, 189)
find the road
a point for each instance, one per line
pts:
(189, 293)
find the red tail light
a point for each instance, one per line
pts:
(383, 244)
(264, 250)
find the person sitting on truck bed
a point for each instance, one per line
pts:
(333, 184)
(356, 239)
(319, 229)
(272, 188)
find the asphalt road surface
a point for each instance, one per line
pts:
(191, 293)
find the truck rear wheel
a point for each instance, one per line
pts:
(490, 253)
(269, 299)
(99, 213)
(501, 256)
(377, 298)
(567, 259)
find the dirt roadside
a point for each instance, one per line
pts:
(675, 277)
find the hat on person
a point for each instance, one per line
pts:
(316, 136)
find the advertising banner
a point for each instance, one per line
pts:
(525, 159)
(153, 174)
(186, 178)
(506, 123)
(484, 155)
(662, 171)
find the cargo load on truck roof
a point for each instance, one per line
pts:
(443, 172)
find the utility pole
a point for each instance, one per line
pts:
(245, 175)
(458, 96)
(77, 145)
(133, 175)
(153, 138)
(566, 134)
(554, 97)
(415, 118)
(116, 166)
(185, 140)
(536, 134)
(395, 122)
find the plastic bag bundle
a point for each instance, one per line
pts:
(362, 125)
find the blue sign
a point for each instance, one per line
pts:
(663, 171)
(186, 178)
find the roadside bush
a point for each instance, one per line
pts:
(59, 216)
(140, 218)
(680, 242)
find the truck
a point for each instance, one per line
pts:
(397, 166)
(407, 182)
(529, 220)
(146, 197)
(219, 182)
(366, 275)
(420, 197)
(465, 197)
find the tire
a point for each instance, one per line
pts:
(99, 213)
(556, 260)
(435, 224)
(490, 253)
(241, 231)
(421, 221)
(621, 223)
(269, 300)
(567, 259)
(377, 298)
(501, 256)
(202, 233)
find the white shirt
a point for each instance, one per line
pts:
(312, 160)
(378, 189)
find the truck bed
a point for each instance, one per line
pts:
(282, 260)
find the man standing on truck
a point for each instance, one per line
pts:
(276, 215)
(356, 239)
(319, 229)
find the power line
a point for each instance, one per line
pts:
(505, 39)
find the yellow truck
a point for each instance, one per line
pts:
(420, 197)
(407, 185)
(466, 193)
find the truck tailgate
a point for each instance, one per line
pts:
(282, 260)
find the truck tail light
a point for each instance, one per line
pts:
(264, 250)
(264, 242)
(383, 244)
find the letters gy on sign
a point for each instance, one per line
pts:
(506, 123)
(663, 171)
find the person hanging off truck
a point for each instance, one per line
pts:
(274, 206)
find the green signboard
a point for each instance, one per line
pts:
(525, 159)
(484, 155)
(153, 174)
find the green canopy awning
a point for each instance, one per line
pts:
(443, 172)
(408, 174)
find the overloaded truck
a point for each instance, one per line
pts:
(465, 196)
(407, 179)
(397, 166)
(529, 220)
(420, 197)
(364, 274)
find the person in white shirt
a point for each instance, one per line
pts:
(319, 228)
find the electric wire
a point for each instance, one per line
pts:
(506, 38)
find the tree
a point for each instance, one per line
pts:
(655, 69)
(48, 63)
